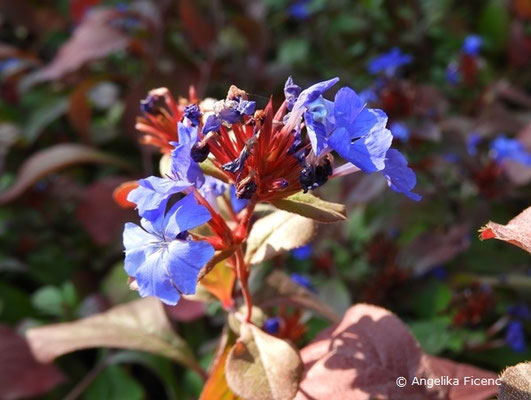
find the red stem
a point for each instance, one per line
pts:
(242, 273)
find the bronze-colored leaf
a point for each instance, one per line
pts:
(263, 367)
(312, 207)
(53, 159)
(277, 233)
(138, 325)
(517, 231)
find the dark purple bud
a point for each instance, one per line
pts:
(199, 152)
(193, 114)
(237, 164)
(272, 325)
(147, 105)
(307, 178)
(291, 92)
(246, 191)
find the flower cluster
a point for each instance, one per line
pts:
(249, 156)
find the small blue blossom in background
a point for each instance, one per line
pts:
(515, 337)
(472, 143)
(400, 131)
(164, 262)
(472, 45)
(299, 9)
(302, 253)
(389, 63)
(272, 325)
(303, 281)
(504, 148)
(520, 311)
(452, 73)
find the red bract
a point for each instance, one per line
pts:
(269, 170)
(159, 124)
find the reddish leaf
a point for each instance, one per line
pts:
(220, 282)
(78, 8)
(79, 111)
(186, 310)
(20, 374)
(517, 231)
(200, 31)
(442, 367)
(364, 355)
(93, 39)
(121, 192)
(99, 214)
(52, 159)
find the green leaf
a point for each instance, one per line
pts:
(433, 335)
(209, 168)
(139, 325)
(277, 233)
(114, 383)
(494, 23)
(49, 300)
(293, 51)
(312, 207)
(263, 367)
(48, 112)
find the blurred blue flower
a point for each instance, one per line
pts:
(452, 73)
(439, 273)
(303, 281)
(472, 45)
(160, 257)
(388, 63)
(400, 131)
(368, 95)
(504, 148)
(302, 253)
(515, 337)
(272, 325)
(472, 143)
(299, 9)
(520, 311)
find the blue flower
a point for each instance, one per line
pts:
(504, 148)
(301, 280)
(299, 10)
(520, 311)
(472, 143)
(302, 253)
(311, 94)
(360, 135)
(400, 131)
(368, 95)
(153, 191)
(514, 336)
(388, 63)
(400, 177)
(158, 255)
(291, 93)
(452, 73)
(230, 111)
(193, 114)
(472, 45)
(272, 325)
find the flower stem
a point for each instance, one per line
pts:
(242, 273)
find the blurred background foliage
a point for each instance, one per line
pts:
(66, 81)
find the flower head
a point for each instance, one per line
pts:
(472, 45)
(504, 148)
(160, 255)
(389, 63)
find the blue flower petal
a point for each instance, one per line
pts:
(212, 123)
(472, 45)
(153, 278)
(318, 119)
(313, 92)
(347, 107)
(400, 177)
(184, 169)
(389, 62)
(365, 142)
(185, 260)
(138, 245)
(187, 135)
(184, 215)
(152, 192)
(236, 203)
(291, 93)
